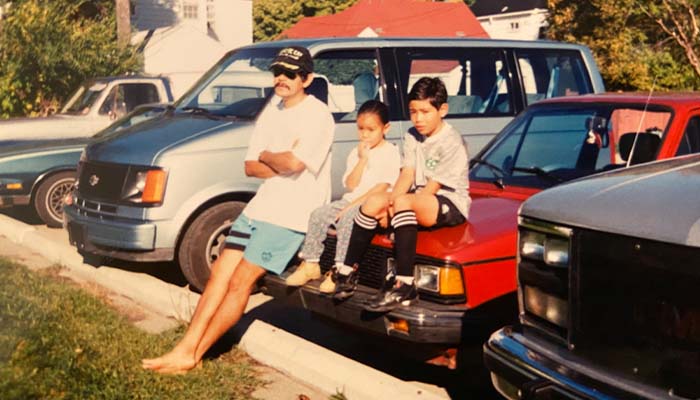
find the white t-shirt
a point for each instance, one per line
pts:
(306, 130)
(383, 165)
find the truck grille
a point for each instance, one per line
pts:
(102, 181)
(637, 309)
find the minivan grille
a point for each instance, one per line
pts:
(637, 309)
(102, 181)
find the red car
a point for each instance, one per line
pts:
(466, 275)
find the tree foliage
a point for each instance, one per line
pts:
(271, 17)
(47, 48)
(632, 49)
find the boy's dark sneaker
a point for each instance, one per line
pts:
(345, 285)
(391, 299)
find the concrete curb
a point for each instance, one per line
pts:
(266, 343)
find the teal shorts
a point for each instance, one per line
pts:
(267, 245)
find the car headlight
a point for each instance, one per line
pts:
(442, 280)
(145, 186)
(546, 306)
(540, 246)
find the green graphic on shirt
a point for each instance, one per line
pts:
(431, 163)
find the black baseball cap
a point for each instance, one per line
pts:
(294, 59)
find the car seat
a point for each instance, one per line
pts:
(644, 149)
(319, 89)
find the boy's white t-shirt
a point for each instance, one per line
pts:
(306, 130)
(383, 166)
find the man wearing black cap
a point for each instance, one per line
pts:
(290, 150)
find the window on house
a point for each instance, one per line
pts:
(189, 10)
(514, 26)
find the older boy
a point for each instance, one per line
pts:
(290, 149)
(431, 191)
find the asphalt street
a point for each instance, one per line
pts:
(367, 356)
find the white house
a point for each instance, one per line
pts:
(181, 39)
(511, 19)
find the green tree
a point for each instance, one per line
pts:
(48, 47)
(271, 17)
(632, 51)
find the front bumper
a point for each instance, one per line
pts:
(129, 240)
(14, 200)
(522, 368)
(420, 322)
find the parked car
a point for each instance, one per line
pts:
(40, 173)
(607, 285)
(190, 161)
(93, 106)
(466, 275)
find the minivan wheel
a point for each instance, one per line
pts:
(50, 195)
(203, 241)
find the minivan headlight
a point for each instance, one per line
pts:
(145, 186)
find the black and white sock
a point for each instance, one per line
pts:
(362, 233)
(405, 227)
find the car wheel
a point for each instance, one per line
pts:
(48, 201)
(204, 239)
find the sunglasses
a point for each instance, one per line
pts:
(276, 71)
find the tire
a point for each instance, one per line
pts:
(204, 239)
(48, 200)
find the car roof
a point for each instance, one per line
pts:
(660, 98)
(357, 42)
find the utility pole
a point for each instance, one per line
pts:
(123, 10)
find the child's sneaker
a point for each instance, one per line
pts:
(305, 272)
(402, 294)
(328, 284)
(345, 285)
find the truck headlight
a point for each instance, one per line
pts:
(443, 280)
(546, 306)
(145, 186)
(551, 248)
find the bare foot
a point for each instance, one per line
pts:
(170, 363)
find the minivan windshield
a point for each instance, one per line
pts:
(555, 143)
(237, 86)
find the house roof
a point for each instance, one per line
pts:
(491, 7)
(398, 18)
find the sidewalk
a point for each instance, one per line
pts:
(266, 343)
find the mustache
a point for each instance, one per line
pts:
(281, 85)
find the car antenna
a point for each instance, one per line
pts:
(636, 135)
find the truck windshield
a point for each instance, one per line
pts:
(84, 98)
(238, 86)
(555, 143)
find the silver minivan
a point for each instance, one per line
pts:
(169, 188)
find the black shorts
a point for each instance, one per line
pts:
(448, 214)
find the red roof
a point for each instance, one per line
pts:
(392, 18)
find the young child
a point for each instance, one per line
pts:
(431, 191)
(371, 168)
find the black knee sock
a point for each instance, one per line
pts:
(405, 236)
(362, 233)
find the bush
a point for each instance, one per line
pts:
(47, 48)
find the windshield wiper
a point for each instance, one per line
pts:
(539, 172)
(201, 111)
(497, 172)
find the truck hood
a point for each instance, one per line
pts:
(55, 126)
(490, 234)
(143, 143)
(657, 201)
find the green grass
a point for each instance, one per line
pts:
(59, 342)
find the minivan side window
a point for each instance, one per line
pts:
(690, 143)
(353, 77)
(477, 80)
(551, 73)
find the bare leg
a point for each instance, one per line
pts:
(182, 356)
(233, 305)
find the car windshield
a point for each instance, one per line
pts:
(84, 98)
(238, 86)
(554, 143)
